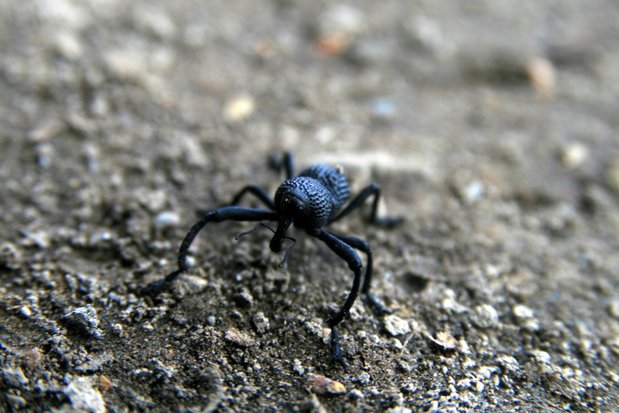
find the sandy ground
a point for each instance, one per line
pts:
(491, 125)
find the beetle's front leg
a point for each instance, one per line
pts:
(229, 213)
(348, 254)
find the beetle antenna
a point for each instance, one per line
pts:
(288, 251)
(263, 225)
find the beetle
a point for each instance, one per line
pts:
(311, 201)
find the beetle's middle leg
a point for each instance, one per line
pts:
(348, 254)
(258, 192)
(372, 190)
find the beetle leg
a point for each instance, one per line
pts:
(348, 254)
(258, 192)
(229, 213)
(287, 161)
(372, 190)
(363, 246)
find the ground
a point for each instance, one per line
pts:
(491, 126)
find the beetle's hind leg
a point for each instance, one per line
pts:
(372, 190)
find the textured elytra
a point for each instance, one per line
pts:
(335, 181)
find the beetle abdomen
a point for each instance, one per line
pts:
(333, 180)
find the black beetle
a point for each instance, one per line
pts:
(310, 201)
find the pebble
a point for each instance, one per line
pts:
(297, 366)
(526, 317)
(84, 320)
(68, 45)
(104, 383)
(324, 386)
(166, 219)
(190, 285)
(239, 338)
(541, 73)
(509, 363)
(428, 34)
(154, 20)
(473, 191)
(574, 155)
(261, 322)
(239, 108)
(444, 340)
(396, 326)
(244, 298)
(485, 316)
(16, 402)
(126, 65)
(341, 18)
(383, 108)
(32, 359)
(15, 377)
(83, 396)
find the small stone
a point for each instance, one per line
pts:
(166, 219)
(298, 367)
(25, 311)
(239, 338)
(155, 20)
(84, 320)
(104, 383)
(127, 65)
(541, 356)
(15, 377)
(261, 322)
(444, 340)
(526, 317)
(83, 396)
(68, 45)
(509, 363)
(31, 359)
(383, 108)
(522, 312)
(364, 378)
(541, 73)
(485, 316)
(574, 155)
(473, 191)
(324, 386)
(16, 402)
(396, 326)
(189, 285)
(46, 130)
(239, 108)
(244, 298)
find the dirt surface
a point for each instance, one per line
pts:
(491, 125)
